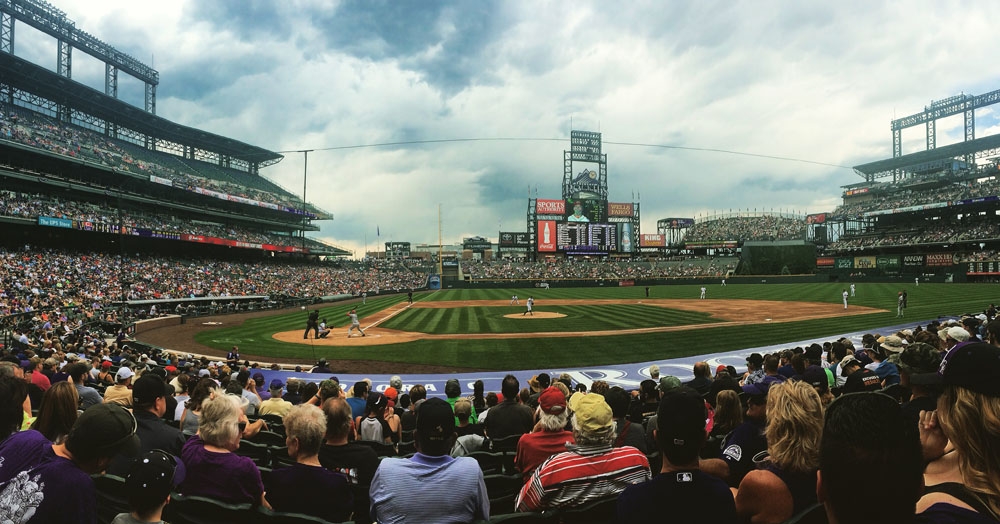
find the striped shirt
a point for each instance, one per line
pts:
(581, 475)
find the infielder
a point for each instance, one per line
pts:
(355, 324)
(364, 298)
(899, 305)
(845, 299)
(703, 292)
(514, 301)
(529, 303)
(852, 290)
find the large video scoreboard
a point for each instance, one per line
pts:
(584, 226)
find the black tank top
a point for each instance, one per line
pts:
(802, 486)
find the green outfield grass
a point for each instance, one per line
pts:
(926, 302)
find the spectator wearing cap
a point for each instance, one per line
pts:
(858, 377)
(121, 392)
(328, 388)
(453, 391)
(887, 372)
(538, 384)
(866, 432)
(919, 359)
(550, 436)
(786, 484)
(702, 381)
(591, 469)
(953, 335)
(321, 366)
(748, 439)
(373, 426)
(813, 356)
(971, 324)
(967, 480)
(50, 483)
(755, 369)
(306, 486)
(150, 479)
(261, 385)
(78, 376)
(275, 405)
(680, 487)
(402, 488)
(667, 383)
(105, 376)
(509, 417)
(149, 394)
(213, 469)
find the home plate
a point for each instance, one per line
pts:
(767, 320)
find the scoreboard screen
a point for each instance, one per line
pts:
(579, 237)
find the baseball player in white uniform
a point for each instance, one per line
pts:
(355, 324)
(703, 290)
(529, 303)
(845, 299)
(852, 290)
(514, 301)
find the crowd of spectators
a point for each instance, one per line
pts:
(106, 219)
(597, 269)
(893, 197)
(38, 131)
(767, 227)
(951, 233)
(737, 445)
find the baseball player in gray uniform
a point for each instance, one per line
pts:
(355, 324)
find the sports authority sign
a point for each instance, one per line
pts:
(550, 207)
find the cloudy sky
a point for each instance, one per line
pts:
(817, 81)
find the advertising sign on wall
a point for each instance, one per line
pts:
(547, 236)
(550, 207)
(510, 238)
(940, 259)
(913, 260)
(825, 261)
(651, 240)
(845, 263)
(887, 262)
(619, 210)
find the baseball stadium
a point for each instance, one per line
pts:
(146, 248)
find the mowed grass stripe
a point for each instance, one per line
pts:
(926, 302)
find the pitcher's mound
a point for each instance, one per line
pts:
(538, 314)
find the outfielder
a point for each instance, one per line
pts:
(355, 324)
(899, 304)
(703, 292)
(852, 290)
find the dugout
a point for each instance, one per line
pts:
(789, 257)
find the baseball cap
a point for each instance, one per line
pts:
(892, 344)
(972, 366)
(391, 393)
(919, 358)
(377, 400)
(435, 419)
(552, 401)
(668, 382)
(756, 390)
(847, 361)
(958, 333)
(124, 373)
(878, 350)
(104, 430)
(171, 369)
(204, 372)
(106, 364)
(813, 352)
(592, 413)
(276, 385)
(681, 418)
(815, 376)
(722, 367)
(152, 477)
(147, 389)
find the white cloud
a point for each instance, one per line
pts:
(804, 80)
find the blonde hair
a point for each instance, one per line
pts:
(728, 410)
(794, 426)
(219, 420)
(463, 409)
(307, 424)
(971, 421)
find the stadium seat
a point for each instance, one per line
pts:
(362, 503)
(505, 444)
(503, 491)
(272, 419)
(545, 517)
(259, 453)
(490, 463)
(203, 510)
(600, 511)
(406, 447)
(280, 458)
(111, 499)
(269, 438)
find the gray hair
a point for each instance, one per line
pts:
(307, 424)
(397, 382)
(219, 420)
(553, 422)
